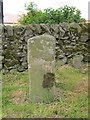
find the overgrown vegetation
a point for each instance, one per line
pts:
(50, 15)
(71, 103)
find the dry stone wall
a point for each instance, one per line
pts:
(71, 39)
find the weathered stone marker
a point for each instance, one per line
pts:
(41, 61)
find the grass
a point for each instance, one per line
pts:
(72, 102)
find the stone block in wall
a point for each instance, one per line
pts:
(9, 30)
(54, 29)
(19, 30)
(38, 29)
(45, 29)
(61, 31)
(75, 27)
(10, 64)
(28, 32)
(61, 62)
(77, 61)
(84, 37)
(21, 68)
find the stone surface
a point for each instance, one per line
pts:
(61, 62)
(75, 27)
(9, 30)
(77, 61)
(41, 64)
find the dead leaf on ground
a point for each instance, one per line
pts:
(81, 87)
(18, 97)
